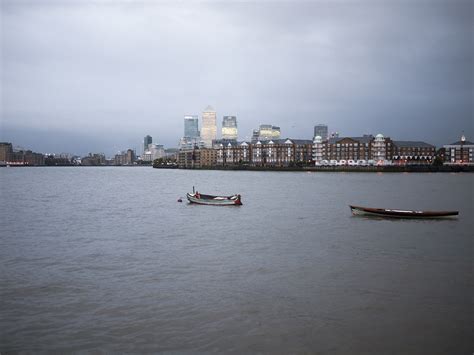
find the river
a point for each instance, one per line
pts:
(106, 259)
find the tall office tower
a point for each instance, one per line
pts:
(322, 131)
(255, 135)
(229, 127)
(147, 140)
(191, 126)
(209, 126)
(268, 132)
(276, 132)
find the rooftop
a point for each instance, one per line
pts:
(413, 144)
(462, 143)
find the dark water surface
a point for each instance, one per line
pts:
(106, 259)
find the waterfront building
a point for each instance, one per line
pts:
(146, 141)
(379, 150)
(229, 127)
(5, 150)
(283, 152)
(459, 153)
(19, 157)
(371, 150)
(347, 148)
(233, 153)
(321, 130)
(124, 158)
(196, 158)
(413, 153)
(276, 153)
(318, 150)
(208, 157)
(95, 159)
(209, 126)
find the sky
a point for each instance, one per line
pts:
(97, 76)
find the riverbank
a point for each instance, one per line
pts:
(364, 169)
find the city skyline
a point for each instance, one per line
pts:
(398, 68)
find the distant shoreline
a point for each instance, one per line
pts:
(351, 169)
(330, 169)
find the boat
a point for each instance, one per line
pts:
(201, 199)
(394, 213)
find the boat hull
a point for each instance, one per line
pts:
(209, 200)
(393, 213)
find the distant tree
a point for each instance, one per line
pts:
(438, 161)
(158, 162)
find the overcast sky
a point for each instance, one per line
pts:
(81, 76)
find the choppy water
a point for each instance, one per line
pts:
(106, 259)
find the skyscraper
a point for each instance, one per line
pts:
(147, 140)
(229, 127)
(266, 132)
(191, 126)
(322, 131)
(209, 126)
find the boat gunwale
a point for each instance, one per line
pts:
(386, 212)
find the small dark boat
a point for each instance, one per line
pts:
(392, 213)
(233, 200)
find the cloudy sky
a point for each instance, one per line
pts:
(80, 76)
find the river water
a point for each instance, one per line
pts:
(107, 259)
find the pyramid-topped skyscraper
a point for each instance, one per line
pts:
(209, 126)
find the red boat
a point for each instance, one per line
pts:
(392, 213)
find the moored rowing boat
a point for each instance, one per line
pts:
(201, 199)
(395, 213)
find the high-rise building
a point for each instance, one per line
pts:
(266, 132)
(255, 135)
(209, 126)
(229, 127)
(191, 126)
(147, 140)
(321, 130)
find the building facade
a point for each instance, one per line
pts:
(191, 126)
(370, 150)
(20, 157)
(413, 153)
(124, 158)
(154, 151)
(5, 150)
(209, 126)
(197, 158)
(271, 153)
(94, 159)
(344, 149)
(459, 153)
(229, 127)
